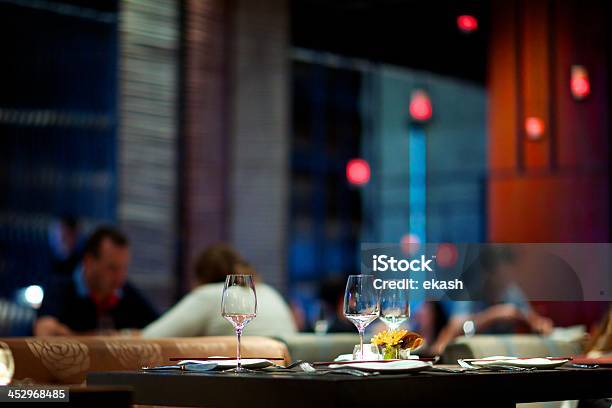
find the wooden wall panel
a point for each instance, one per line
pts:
(562, 193)
(535, 69)
(502, 90)
(549, 208)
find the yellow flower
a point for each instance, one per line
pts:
(389, 338)
(402, 338)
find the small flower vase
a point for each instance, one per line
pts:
(394, 353)
(390, 352)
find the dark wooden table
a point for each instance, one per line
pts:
(491, 389)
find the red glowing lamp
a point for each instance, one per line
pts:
(358, 172)
(467, 23)
(534, 128)
(410, 243)
(579, 82)
(420, 106)
(446, 255)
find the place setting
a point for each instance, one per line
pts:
(239, 307)
(389, 351)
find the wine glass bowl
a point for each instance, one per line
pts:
(239, 306)
(394, 307)
(361, 303)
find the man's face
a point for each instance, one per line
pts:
(107, 272)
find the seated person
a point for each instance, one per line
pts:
(97, 297)
(501, 305)
(199, 313)
(601, 343)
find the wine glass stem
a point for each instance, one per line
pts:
(361, 341)
(238, 336)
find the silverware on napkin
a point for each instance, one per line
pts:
(493, 367)
(208, 366)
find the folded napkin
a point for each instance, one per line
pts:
(344, 357)
(185, 366)
(211, 364)
(251, 363)
(536, 362)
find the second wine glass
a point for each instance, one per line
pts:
(394, 307)
(239, 306)
(361, 303)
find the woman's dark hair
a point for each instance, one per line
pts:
(219, 260)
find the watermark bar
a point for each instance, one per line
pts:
(34, 394)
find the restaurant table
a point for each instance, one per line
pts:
(286, 389)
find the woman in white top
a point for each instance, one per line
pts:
(199, 313)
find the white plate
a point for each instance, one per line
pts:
(252, 363)
(518, 362)
(392, 366)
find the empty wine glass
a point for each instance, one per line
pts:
(394, 307)
(239, 306)
(361, 303)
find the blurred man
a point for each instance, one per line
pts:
(97, 298)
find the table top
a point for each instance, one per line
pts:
(302, 389)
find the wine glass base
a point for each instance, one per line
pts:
(242, 370)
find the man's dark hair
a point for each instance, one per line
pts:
(93, 244)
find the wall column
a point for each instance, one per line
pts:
(204, 175)
(260, 144)
(147, 158)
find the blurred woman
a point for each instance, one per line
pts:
(199, 313)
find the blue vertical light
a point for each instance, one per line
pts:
(417, 167)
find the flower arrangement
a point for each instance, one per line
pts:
(392, 341)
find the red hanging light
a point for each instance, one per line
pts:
(579, 82)
(534, 128)
(410, 244)
(420, 106)
(467, 23)
(358, 171)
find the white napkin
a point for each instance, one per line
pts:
(344, 357)
(515, 361)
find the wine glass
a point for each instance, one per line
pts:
(361, 303)
(394, 307)
(239, 306)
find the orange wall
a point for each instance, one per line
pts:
(555, 189)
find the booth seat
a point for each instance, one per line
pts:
(319, 347)
(67, 360)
